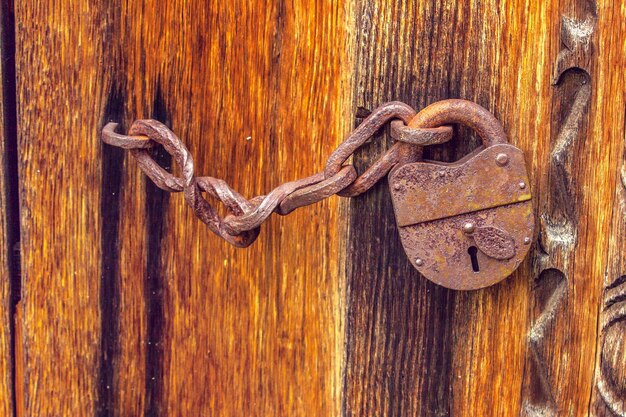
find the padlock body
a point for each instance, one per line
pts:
(434, 202)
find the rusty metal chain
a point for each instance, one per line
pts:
(241, 226)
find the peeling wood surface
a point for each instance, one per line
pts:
(131, 307)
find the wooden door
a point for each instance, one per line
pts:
(116, 301)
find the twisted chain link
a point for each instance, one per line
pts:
(241, 226)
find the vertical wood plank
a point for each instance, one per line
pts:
(559, 296)
(415, 348)
(6, 250)
(500, 63)
(498, 328)
(155, 314)
(62, 85)
(526, 346)
(258, 96)
(577, 202)
(609, 394)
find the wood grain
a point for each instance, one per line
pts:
(526, 346)
(415, 348)
(609, 395)
(131, 307)
(155, 314)
(394, 366)
(60, 85)
(6, 235)
(561, 301)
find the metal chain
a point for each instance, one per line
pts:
(241, 226)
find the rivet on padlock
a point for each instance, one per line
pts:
(467, 224)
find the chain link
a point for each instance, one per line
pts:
(241, 226)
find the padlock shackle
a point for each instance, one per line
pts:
(463, 112)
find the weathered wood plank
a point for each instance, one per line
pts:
(609, 394)
(151, 312)
(256, 331)
(557, 298)
(393, 366)
(526, 346)
(62, 86)
(577, 202)
(415, 348)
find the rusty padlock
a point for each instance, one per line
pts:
(467, 224)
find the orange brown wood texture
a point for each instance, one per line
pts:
(9, 224)
(527, 346)
(130, 306)
(133, 305)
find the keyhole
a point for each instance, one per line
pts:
(473, 250)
